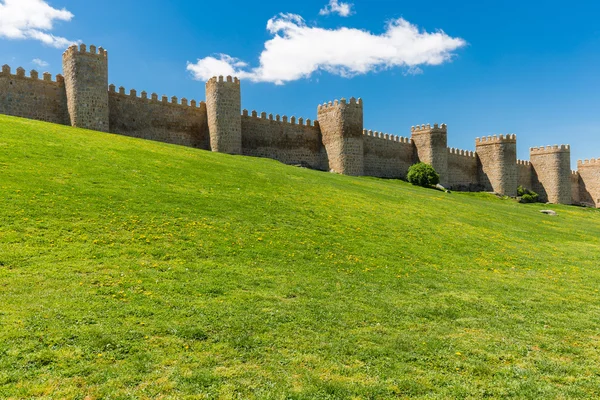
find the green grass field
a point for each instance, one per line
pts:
(131, 269)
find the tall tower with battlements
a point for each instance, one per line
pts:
(432, 147)
(589, 182)
(224, 109)
(551, 177)
(86, 82)
(342, 129)
(497, 159)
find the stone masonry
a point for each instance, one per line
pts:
(86, 79)
(498, 163)
(342, 129)
(336, 142)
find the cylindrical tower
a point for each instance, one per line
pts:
(588, 172)
(497, 160)
(86, 83)
(224, 109)
(342, 129)
(552, 173)
(432, 148)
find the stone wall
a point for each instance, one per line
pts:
(32, 97)
(462, 170)
(589, 181)
(290, 142)
(224, 108)
(165, 120)
(575, 188)
(431, 144)
(86, 83)
(551, 177)
(524, 174)
(342, 128)
(497, 159)
(387, 156)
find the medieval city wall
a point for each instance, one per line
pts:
(387, 156)
(164, 120)
(294, 142)
(336, 142)
(31, 97)
(462, 170)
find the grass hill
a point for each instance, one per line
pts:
(134, 269)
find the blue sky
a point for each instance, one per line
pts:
(525, 67)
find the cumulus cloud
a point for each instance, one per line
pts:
(298, 51)
(335, 7)
(32, 19)
(39, 63)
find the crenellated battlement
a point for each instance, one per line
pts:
(222, 79)
(588, 163)
(524, 163)
(173, 101)
(33, 75)
(385, 136)
(463, 153)
(422, 129)
(333, 104)
(279, 119)
(495, 139)
(83, 50)
(550, 149)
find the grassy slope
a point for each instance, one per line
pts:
(132, 269)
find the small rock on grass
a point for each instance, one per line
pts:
(549, 212)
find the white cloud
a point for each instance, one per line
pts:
(39, 63)
(297, 51)
(334, 6)
(32, 19)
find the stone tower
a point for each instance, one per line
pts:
(86, 83)
(589, 182)
(497, 160)
(342, 129)
(432, 147)
(551, 177)
(224, 109)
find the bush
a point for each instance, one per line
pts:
(422, 174)
(526, 195)
(528, 198)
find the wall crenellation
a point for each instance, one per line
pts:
(222, 79)
(33, 75)
(496, 139)
(133, 94)
(464, 153)
(550, 149)
(336, 140)
(279, 119)
(426, 128)
(386, 136)
(590, 162)
(335, 103)
(82, 49)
